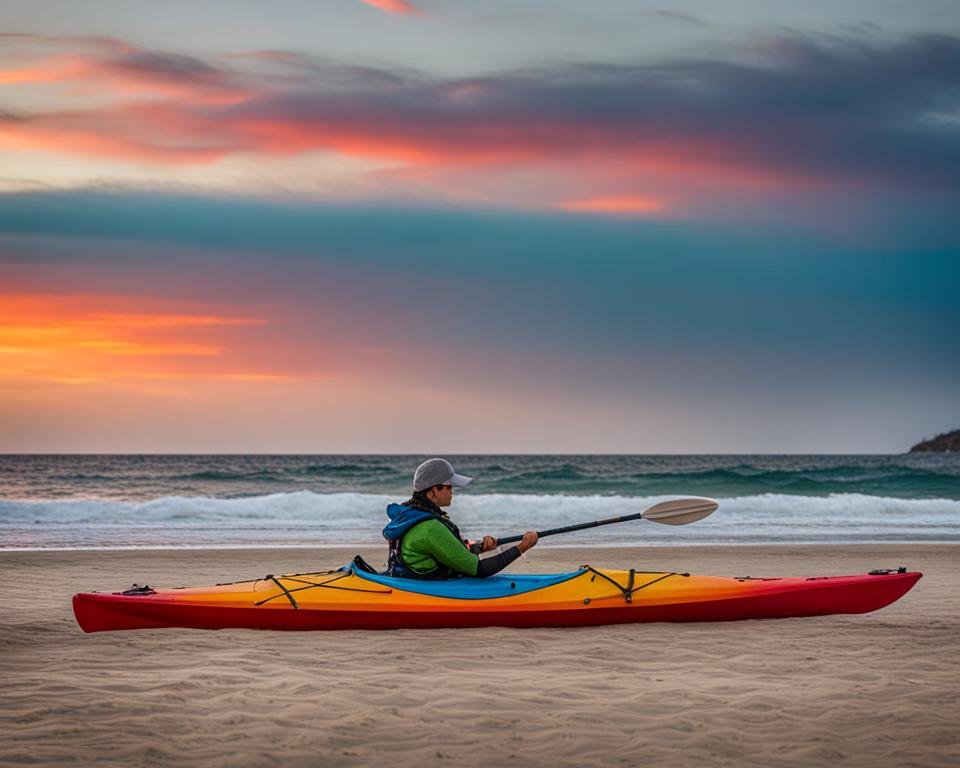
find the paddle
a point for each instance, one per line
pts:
(670, 512)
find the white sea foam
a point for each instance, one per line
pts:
(305, 517)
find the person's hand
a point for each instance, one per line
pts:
(529, 540)
(489, 542)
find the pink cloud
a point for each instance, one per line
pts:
(400, 7)
(600, 140)
(616, 205)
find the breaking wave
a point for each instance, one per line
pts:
(336, 519)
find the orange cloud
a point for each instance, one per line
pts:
(625, 205)
(39, 135)
(401, 7)
(50, 71)
(85, 339)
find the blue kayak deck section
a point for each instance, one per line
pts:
(467, 588)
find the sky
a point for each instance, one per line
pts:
(501, 227)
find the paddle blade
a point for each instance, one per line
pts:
(680, 511)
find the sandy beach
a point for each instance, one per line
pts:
(871, 690)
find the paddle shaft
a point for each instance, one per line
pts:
(577, 527)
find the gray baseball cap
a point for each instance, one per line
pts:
(437, 472)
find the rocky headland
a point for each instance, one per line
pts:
(947, 442)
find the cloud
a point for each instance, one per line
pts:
(107, 67)
(96, 338)
(400, 7)
(616, 205)
(787, 115)
(678, 16)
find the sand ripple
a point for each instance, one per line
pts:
(870, 690)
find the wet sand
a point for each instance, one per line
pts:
(874, 690)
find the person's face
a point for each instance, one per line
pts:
(441, 495)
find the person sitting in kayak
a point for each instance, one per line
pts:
(425, 543)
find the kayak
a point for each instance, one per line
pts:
(353, 598)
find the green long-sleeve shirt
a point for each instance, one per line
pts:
(429, 544)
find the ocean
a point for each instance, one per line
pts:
(181, 501)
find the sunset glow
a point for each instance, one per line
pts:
(574, 228)
(94, 339)
(402, 7)
(616, 205)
